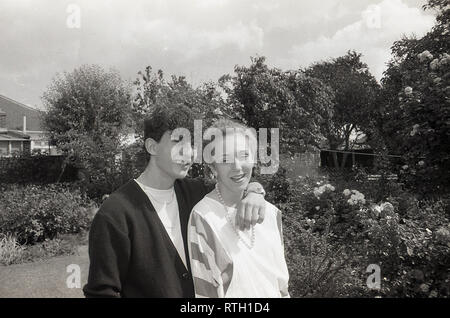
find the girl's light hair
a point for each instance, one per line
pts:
(226, 126)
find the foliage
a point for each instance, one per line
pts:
(64, 245)
(35, 169)
(88, 115)
(34, 213)
(264, 97)
(355, 90)
(153, 90)
(11, 252)
(334, 231)
(378, 234)
(415, 117)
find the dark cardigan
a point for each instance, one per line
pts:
(130, 252)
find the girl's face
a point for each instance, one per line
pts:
(235, 165)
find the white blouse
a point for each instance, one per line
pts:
(223, 266)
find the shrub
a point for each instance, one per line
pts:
(35, 169)
(11, 252)
(333, 231)
(34, 213)
(317, 268)
(50, 248)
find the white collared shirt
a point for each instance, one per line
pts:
(166, 206)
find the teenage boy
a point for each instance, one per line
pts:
(138, 238)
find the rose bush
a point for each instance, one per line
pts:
(333, 231)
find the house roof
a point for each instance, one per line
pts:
(15, 111)
(13, 136)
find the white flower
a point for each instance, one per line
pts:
(404, 167)
(320, 190)
(347, 192)
(317, 208)
(421, 163)
(434, 64)
(317, 193)
(377, 210)
(218, 112)
(356, 197)
(444, 59)
(425, 55)
(414, 130)
(408, 90)
(424, 288)
(387, 206)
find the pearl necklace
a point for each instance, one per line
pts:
(227, 216)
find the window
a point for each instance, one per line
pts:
(16, 146)
(4, 147)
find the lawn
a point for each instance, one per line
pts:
(45, 278)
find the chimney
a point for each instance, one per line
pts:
(24, 124)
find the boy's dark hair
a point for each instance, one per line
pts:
(164, 118)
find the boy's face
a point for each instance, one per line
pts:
(176, 167)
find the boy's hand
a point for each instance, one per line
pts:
(250, 211)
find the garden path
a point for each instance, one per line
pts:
(46, 278)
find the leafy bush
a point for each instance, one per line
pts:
(400, 242)
(50, 248)
(334, 231)
(34, 213)
(132, 162)
(35, 169)
(11, 252)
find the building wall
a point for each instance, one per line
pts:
(15, 112)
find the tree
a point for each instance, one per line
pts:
(415, 118)
(153, 90)
(355, 90)
(264, 97)
(88, 114)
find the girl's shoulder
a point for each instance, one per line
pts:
(205, 206)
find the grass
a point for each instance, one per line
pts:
(11, 252)
(40, 270)
(44, 278)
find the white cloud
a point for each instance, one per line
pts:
(372, 35)
(200, 38)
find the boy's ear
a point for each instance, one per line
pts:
(150, 146)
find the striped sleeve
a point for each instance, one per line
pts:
(211, 265)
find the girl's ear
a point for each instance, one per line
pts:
(150, 146)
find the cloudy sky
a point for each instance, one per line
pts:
(201, 39)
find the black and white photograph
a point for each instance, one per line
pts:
(242, 149)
